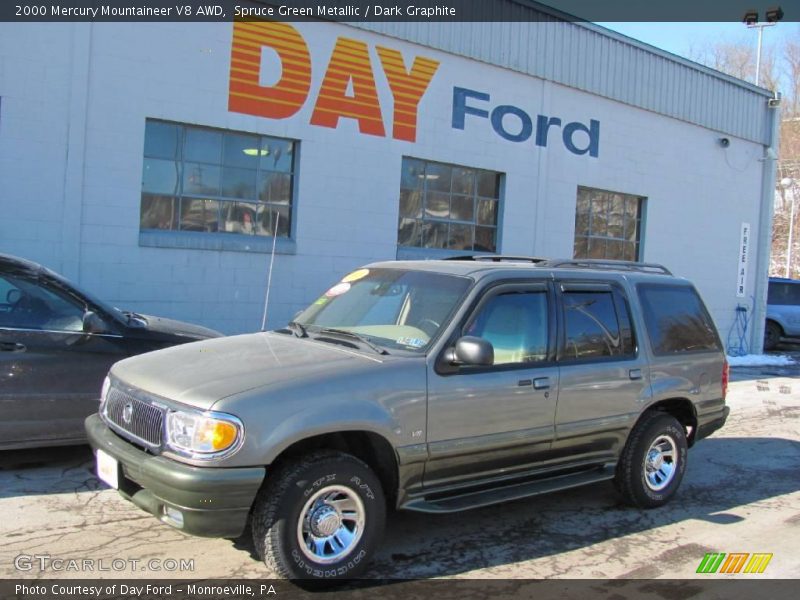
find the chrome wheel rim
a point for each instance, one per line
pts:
(330, 524)
(661, 463)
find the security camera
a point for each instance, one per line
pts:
(724, 142)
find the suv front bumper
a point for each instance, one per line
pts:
(213, 502)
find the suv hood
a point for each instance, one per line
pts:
(202, 373)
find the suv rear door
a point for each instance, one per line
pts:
(604, 377)
(497, 420)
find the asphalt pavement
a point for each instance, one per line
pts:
(741, 493)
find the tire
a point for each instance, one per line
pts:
(306, 499)
(772, 335)
(649, 483)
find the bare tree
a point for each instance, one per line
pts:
(791, 59)
(780, 71)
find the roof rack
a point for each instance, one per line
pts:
(616, 265)
(498, 258)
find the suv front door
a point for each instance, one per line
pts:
(496, 420)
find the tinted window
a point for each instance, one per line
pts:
(29, 305)
(783, 293)
(516, 325)
(676, 320)
(592, 327)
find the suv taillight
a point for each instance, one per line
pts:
(726, 375)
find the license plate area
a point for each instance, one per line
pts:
(108, 469)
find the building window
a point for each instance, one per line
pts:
(607, 225)
(448, 206)
(213, 180)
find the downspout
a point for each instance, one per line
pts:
(765, 225)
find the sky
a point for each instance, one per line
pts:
(679, 38)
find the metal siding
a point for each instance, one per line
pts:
(599, 62)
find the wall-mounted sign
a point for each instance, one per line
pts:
(349, 90)
(515, 125)
(744, 251)
(348, 87)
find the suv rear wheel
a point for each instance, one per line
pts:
(772, 335)
(320, 517)
(653, 462)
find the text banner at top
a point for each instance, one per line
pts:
(410, 10)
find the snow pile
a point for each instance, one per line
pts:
(760, 360)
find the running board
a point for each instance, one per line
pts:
(468, 500)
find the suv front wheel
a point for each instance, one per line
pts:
(653, 462)
(319, 517)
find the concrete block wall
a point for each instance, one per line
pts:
(73, 103)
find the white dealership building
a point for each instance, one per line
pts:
(155, 163)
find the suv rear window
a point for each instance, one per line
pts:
(676, 319)
(783, 293)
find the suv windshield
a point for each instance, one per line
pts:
(391, 308)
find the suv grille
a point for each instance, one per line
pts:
(134, 418)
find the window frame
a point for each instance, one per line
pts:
(443, 368)
(220, 240)
(640, 220)
(412, 252)
(621, 306)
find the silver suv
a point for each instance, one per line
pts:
(434, 386)
(783, 311)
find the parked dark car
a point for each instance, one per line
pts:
(57, 344)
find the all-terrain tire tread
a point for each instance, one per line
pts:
(626, 470)
(266, 537)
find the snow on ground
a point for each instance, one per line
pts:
(760, 360)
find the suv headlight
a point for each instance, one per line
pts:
(203, 435)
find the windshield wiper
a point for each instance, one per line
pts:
(351, 334)
(298, 329)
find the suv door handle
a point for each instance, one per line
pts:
(541, 383)
(635, 374)
(12, 347)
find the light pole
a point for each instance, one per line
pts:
(772, 16)
(788, 183)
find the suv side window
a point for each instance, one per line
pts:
(516, 324)
(783, 294)
(676, 319)
(593, 326)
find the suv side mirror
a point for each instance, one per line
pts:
(472, 351)
(92, 323)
